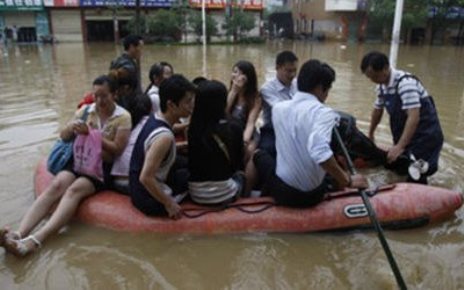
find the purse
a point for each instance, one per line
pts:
(87, 151)
(62, 151)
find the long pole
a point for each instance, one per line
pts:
(203, 28)
(375, 222)
(395, 42)
(203, 21)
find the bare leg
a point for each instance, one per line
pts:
(250, 169)
(42, 205)
(80, 189)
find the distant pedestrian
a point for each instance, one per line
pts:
(130, 59)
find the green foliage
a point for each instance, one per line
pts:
(439, 21)
(240, 23)
(165, 23)
(195, 22)
(131, 25)
(382, 12)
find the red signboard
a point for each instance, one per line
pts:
(61, 3)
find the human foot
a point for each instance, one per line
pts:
(3, 233)
(23, 247)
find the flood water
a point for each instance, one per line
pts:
(39, 89)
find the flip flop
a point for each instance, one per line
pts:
(19, 247)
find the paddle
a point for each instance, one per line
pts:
(373, 217)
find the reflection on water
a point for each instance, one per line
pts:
(39, 88)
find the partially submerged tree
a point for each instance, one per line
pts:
(196, 23)
(166, 24)
(239, 23)
(381, 14)
(442, 17)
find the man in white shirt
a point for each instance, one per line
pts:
(278, 89)
(303, 128)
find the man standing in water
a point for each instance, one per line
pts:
(130, 58)
(414, 121)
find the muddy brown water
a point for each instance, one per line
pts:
(39, 87)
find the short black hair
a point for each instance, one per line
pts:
(131, 40)
(314, 73)
(174, 89)
(284, 57)
(376, 60)
(105, 79)
(157, 69)
(198, 80)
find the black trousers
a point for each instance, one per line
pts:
(283, 193)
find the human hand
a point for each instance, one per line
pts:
(359, 181)
(174, 210)
(80, 127)
(393, 153)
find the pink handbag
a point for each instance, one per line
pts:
(87, 151)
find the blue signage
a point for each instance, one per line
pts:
(126, 3)
(452, 13)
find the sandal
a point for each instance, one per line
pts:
(19, 248)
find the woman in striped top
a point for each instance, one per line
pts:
(215, 148)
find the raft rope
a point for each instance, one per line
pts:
(265, 204)
(239, 206)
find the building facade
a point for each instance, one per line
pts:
(99, 20)
(334, 19)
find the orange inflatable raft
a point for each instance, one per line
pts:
(397, 206)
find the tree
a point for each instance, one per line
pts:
(441, 17)
(131, 25)
(166, 24)
(381, 14)
(239, 24)
(196, 22)
(182, 8)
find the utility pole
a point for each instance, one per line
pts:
(396, 33)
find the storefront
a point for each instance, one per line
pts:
(23, 21)
(65, 19)
(218, 9)
(106, 20)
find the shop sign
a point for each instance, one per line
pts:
(127, 3)
(61, 3)
(21, 5)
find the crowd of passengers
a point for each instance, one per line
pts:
(200, 137)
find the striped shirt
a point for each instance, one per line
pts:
(410, 91)
(213, 192)
(303, 128)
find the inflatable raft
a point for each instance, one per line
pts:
(397, 206)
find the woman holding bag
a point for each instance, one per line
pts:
(69, 188)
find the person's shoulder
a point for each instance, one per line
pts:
(122, 61)
(269, 84)
(282, 106)
(121, 112)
